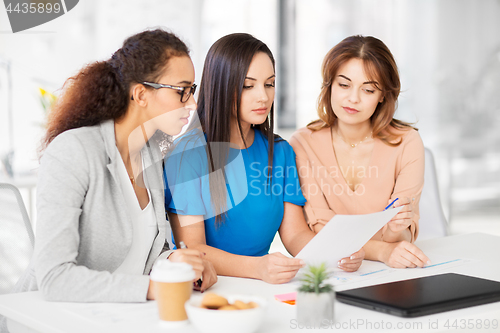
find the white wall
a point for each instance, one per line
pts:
(46, 55)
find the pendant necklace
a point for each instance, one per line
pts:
(353, 145)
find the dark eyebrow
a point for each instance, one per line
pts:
(185, 82)
(251, 78)
(345, 77)
(367, 82)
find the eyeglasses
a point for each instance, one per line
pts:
(185, 92)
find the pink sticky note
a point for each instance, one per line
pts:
(287, 298)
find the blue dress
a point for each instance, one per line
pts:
(255, 207)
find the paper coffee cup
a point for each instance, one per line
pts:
(173, 284)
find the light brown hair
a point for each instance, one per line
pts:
(379, 66)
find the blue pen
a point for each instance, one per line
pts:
(392, 203)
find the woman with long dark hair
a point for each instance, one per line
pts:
(357, 158)
(101, 218)
(234, 183)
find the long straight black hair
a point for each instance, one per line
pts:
(224, 72)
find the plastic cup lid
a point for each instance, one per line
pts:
(167, 271)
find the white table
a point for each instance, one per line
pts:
(481, 251)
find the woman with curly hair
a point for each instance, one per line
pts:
(101, 217)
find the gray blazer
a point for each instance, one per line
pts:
(83, 231)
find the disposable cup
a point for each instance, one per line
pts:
(173, 284)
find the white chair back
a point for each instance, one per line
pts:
(432, 221)
(16, 237)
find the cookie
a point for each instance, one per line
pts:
(227, 307)
(241, 305)
(252, 305)
(213, 301)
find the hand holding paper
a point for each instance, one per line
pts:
(344, 235)
(352, 263)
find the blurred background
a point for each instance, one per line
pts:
(448, 53)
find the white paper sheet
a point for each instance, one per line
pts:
(344, 235)
(443, 262)
(369, 270)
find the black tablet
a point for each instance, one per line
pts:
(424, 296)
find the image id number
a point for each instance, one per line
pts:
(471, 324)
(34, 8)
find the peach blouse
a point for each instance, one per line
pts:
(393, 172)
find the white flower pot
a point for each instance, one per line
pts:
(315, 310)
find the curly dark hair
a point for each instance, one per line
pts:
(101, 90)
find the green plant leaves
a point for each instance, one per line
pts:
(313, 280)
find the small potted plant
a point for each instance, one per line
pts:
(315, 297)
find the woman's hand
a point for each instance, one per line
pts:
(151, 291)
(403, 254)
(352, 263)
(189, 256)
(277, 268)
(403, 219)
(209, 276)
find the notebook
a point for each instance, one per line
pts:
(424, 296)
